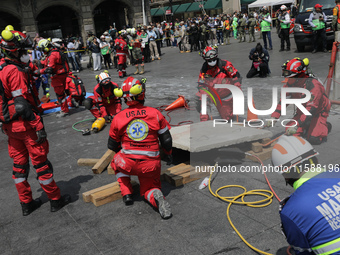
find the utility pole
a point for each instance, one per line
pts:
(172, 15)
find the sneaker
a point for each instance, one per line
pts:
(288, 49)
(127, 199)
(28, 208)
(77, 71)
(281, 50)
(61, 114)
(56, 205)
(314, 51)
(325, 51)
(158, 58)
(163, 205)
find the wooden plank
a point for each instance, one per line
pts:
(256, 147)
(87, 194)
(103, 162)
(183, 175)
(108, 195)
(87, 161)
(110, 170)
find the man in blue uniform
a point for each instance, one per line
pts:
(311, 215)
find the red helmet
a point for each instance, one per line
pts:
(209, 53)
(293, 67)
(133, 91)
(12, 41)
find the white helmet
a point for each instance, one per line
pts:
(57, 42)
(104, 78)
(283, 7)
(290, 151)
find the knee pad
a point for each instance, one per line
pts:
(26, 169)
(88, 102)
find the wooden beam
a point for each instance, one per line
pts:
(108, 195)
(110, 170)
(87, 194)
(87, 161)
(103, 162)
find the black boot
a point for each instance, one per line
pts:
(127, 199)
(56, 205)
(28, 208)
(329, 126)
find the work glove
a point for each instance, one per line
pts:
(108, 118)
(169, 159)
(41, 136)
(270, 123)
(291, 130)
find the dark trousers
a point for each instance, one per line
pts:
(285, 38)
(146, 53)
(269, 35)
(159, 45)
(319, 35)
(262, 72)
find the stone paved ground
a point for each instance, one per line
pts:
(199, 224)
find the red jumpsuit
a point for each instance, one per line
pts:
(60, 68)
(22, 136)
(137, 129)
(104, 101)
(222, 73)
(313, 127)
(75, 91)
(122, 52)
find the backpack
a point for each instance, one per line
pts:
(79, 88)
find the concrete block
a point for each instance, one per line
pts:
(256, 147)
(204, 136)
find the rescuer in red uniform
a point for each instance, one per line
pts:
(218, 71)
(19, 114)
(75, 89)
(135, 134)
(122, 53)
(315, 127)
(56, 65)
(104, 103)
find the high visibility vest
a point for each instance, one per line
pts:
(318, 24)
(227, 24)
(336, 12)
(283, 25)
(265, 25)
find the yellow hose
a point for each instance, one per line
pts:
(232, 200)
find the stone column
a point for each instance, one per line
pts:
(27, 18)
(86, 21)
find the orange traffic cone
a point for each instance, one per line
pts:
(250, 115)
(180, 102)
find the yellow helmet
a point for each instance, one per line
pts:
(44, 45)
(9, 28)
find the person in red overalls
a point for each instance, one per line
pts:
(122, 52)
(218, 71)
(75, 89)
(56, 65)
(104, 103)
(23, 125)
(135, 134)
(315, 127)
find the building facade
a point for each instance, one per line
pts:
(61, 18)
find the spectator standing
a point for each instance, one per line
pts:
(242, 22)
(72, 56)
(317, 20)
(226, 30)
(284, 20)
(95, 49)
(251, 27)
(266, 29)
(219, 32)
(105, 51)
(212, 31)
(152, 44)
(145, 46)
